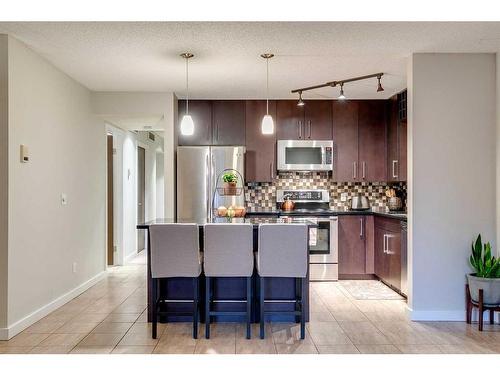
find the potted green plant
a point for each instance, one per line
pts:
(230, 180)
(487, 275)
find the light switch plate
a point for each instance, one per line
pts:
(64, 199)
(343, 197)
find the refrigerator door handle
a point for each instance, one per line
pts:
(213, 184)
(208, 186)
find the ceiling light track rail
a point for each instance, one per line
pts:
(341, 83)
(338, 83)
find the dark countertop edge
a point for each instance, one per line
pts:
(146, 225)
(401, 217)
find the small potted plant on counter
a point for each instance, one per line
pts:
(230, 180)
(487, 275)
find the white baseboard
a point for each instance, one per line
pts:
(22, 324)
(129, 257)
(439, 315)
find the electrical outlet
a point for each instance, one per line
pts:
(74, 267)
(64, 199)
(343, 197)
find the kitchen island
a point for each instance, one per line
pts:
(226, 289)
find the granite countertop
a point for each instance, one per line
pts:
(401, 215)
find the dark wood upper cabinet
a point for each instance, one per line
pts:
(392, 140)
(260, 157)
(318, 120)
(352, 251)
(201, 112)
(228, 122)
(403, 153)
(372, 140)
(396, 141)
(289, 120)
(345, 138)
(312, 121)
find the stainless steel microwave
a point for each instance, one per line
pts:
(305, 155)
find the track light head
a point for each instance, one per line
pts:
(379, 88)
(300, 103)
(341, 96)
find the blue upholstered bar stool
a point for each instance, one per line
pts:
(283, 252)
(228, 252)
(175, 252)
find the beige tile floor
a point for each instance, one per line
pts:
(110, 318)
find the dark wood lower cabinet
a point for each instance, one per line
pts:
(352, 251)
(388, 251)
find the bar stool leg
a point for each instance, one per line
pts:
(249, 307)
(196, 294)
(262, 317)
(154, 308)
(492, 316)
(302, 310)
(207, 307)
(481, 311)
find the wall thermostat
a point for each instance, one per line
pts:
(24, 154)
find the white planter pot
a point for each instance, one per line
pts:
(490, 287)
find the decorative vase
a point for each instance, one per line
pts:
(490, 287)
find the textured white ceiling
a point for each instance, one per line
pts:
(144, 56)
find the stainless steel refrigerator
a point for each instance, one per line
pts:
(197, 170)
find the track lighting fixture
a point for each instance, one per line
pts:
(341, 96)
(379, 88)
(300, 103)
(339, 83)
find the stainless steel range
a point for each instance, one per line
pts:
(323, 241)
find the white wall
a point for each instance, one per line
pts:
(498, 154)
(51, 114)
(452, 141)
(4, 171)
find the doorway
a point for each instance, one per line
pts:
(110, 231)
(141, 195)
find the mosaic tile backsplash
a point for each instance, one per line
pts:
(263, 195)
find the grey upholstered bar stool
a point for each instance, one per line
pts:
(228, 252)
(283, 252)
(175, 252)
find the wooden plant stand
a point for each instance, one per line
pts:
(480, 306)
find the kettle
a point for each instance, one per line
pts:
(360, 202)
(288, 204)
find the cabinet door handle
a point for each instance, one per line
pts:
(364, 169)
(300, 129)
(354, 169)
(361, 234)
(385, 238)
(309, 128)
(388, 251)
(394, 163)
(271, 167)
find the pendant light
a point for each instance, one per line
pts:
(379, 88)
(300, 103)
(187, 124)
(341, 96)
(267, 126)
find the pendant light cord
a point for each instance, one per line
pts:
(187, 87)
(267, 86)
